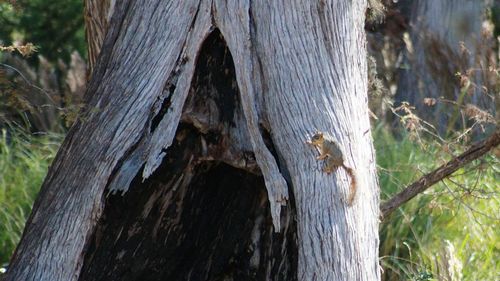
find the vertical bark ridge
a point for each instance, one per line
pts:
(164, 133)
(164, 119)
(233, 19)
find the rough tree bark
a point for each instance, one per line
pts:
(446, 37)
(190, 161)
(97, 14)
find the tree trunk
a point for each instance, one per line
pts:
(97, 14)
(446, 38)
(191, 152)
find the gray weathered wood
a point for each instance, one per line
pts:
(300, 67)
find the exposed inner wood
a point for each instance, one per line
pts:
(213, 107)
(211, 222)
(204, 213)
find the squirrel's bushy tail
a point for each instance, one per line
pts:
(353, 186)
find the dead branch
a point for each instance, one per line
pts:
(476, 151)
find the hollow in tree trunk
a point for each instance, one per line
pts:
(190, 161)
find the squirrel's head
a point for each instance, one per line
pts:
(317, 138)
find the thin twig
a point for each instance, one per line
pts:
(477, 150)
(467, 206)
(31, 84)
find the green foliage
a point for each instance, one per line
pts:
(439, 230)
(447, 232)
(56, 26)
(24, 160)
(8, 21)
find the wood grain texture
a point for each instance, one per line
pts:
(300, 67)
(311, 56)
(97, 14)
(138, 55)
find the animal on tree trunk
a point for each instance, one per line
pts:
(330, 149)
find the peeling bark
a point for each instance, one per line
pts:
(191, 152)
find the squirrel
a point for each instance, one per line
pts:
(331, 150)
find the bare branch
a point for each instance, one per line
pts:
(476, 151)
